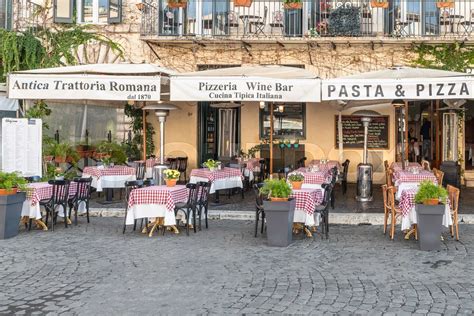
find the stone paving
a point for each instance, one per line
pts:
(93, 269)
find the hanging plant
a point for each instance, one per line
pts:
(292, 4)
(243, 3)
(441, 4)
(175, 4)
(379, 4)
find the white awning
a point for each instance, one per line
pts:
(400, 83)
(247, 83)
(140, 82)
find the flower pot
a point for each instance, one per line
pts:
(379, 4)
(431, 202)
(279, 217)
(242, 3)
(171, 182)
(10, 214)
(58, 159)
(296, 184)
(59, 178)
(175, 4)
(445, 4)
(293, 5)
(278, 199)
(429, 223)
(8, 192)
(48, 158)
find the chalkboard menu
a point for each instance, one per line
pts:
(353, 132)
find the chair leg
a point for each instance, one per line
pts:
(263, 222)
(242, 192)
(87, 211)
(256, 221)
(30, 223)
(205, 213)
(457, 226)
(76, 210)
(125, 221)
(392, 227)
(385, 221)
(194, 219)
(200, 216)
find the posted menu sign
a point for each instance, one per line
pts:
(21, 146)
(244, 89)
(353, 132)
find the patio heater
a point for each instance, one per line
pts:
(161, 111)
(365, 169)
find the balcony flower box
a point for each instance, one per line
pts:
(243, 3)
(292, 4)
(176, 4)
(445, 4)
(379, 4)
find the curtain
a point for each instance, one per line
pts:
(227, 133)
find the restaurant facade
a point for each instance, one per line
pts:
(330, 39)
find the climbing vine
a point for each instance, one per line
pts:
(135, 146)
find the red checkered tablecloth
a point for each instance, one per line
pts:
(316, 177)
(328, 165)
(108, 171)
(42, 191)
(307, 199)
(216, 174)
(164, 195)
(402, 176)
(397, 166)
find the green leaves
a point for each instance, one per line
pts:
(9, 180)
(428, 190)
(453, 56)
(276, 188)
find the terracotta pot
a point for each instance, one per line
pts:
(171, 182)
(48, 158)
(431, 202)
(293, 5)
(296, 184)
(60, 159)
(242, 3)
(8, 192)
(445, 4)
(176, 5)
(379, 4)
(277, 199)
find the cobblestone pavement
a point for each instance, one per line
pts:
(94, 269)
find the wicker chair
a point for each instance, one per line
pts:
(453, 194)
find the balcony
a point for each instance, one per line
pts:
(271, 20)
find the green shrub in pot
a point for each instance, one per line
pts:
(430, 193)
(10, 182)
(276, 189)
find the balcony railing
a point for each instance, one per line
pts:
(315, 18)
(26, 15)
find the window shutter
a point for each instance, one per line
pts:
(63, 11)
(115, 11)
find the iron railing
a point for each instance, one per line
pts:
(315, 18)
(26, 15)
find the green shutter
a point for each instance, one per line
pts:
(63, 11)
(115, 11)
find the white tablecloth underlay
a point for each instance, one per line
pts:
(109, 182)
(34, 211)
(150, 211)
(220, 184)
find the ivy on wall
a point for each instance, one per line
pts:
(135, 146)
(453, 56)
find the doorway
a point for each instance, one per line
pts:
(469, 135)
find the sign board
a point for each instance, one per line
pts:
(412, 89)
(21, 146)
(244, 89)
(84, 87)
(353, 132)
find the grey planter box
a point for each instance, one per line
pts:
(430, 221)
(10, 214)
(279, 217)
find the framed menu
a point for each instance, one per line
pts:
(22, 146)
(353, 132)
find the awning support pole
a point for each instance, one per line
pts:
(271, 141)
(144, 134)
(341, 140)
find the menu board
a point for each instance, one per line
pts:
(353, 132)
(21, 146)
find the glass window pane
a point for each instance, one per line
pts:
(102, 11)
(114, 8)
(3, 13)
(288, 121)
(63, 9)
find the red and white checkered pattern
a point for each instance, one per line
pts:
(316, 177)
(307, 199)
(163, 195)
(397, 166)
(407, 201)
(253, 164)
(328, 165)
(402, 176)
(109, 171)
(42, 191)
(216, 174)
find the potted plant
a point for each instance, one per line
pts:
(292, 4)
(60, 152)
(441, 4)
(211, 164)
(430, 206)
(281, 143)
(243, 3)
(379, 4)
(279, 212)
(175, 4)
(287, 143)
(11, 203)
(296, 179)
(58, 174)
(171, 177)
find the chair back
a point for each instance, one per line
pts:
(300, 163)
(388, 175)
(60, 191)
(258, 195)
(385, 197)
(83, 192)
(333, 176)
(192, 193)
(453, 195)
(391, 198)
(345, 169)
(140, 170)
(182, 164)
(263, 169)
(327, 187)
(203, 192)
(130, 186)
(148, 182)
(385, 164)
(439, 175)
(33, 179)
(426, 165)
(173, 163)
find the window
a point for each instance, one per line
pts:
(89, 11)
(289, 121)
(5, 14)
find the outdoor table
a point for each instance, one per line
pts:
(404, 179)
(408, 210)
(329, 164)
(397, 166)
(306, 201)
(252, 165)
(155, 202)
(37, 192)
(226, 178)
(109, 178)
(246, 21)
(313, 179)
